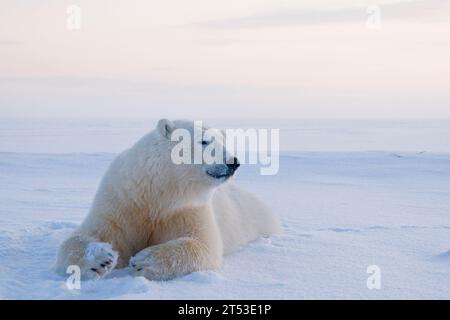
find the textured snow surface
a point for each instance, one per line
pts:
(341, 212)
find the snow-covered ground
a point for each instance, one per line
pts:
(343, 208)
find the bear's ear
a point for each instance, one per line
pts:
(165, 127)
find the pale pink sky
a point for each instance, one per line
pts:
(235, 58)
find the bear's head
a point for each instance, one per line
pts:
(186, 161)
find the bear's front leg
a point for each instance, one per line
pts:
(174, 258)
(188, 241)
(95, 259)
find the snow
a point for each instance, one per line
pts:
(343, 209)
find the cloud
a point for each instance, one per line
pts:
(282, 18)
(96, 97)
(9, 42)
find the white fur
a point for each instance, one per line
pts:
(165, 220)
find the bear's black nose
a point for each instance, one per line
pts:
(234, 165)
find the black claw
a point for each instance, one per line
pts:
(102, 265)
(93, 269)
(107, 262)
(110, 254)
(133, 265)
(139, 269)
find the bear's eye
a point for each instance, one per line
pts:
(205, 143)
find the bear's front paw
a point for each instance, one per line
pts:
(146, 264)
(99, 260)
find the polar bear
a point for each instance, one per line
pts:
(162, 219)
